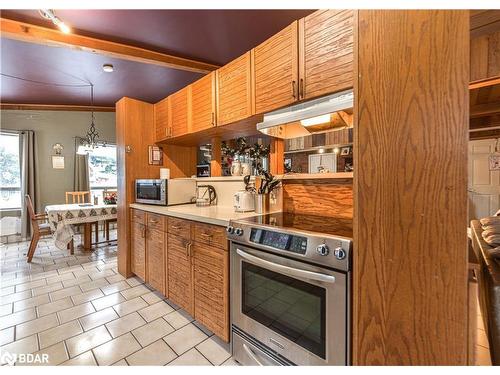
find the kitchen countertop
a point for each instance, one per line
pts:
(217, 215)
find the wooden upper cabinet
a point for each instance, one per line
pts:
(234, 90)
(161, 120)
(178, 111)
(326, 44)
(202, 101)
(275, 64)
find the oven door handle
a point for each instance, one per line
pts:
(252, 355)
(285, 269)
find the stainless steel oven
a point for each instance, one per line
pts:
(285, 308)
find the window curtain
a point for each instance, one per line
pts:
(81, 180)
(29, 178)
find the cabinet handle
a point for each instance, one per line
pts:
(188, 249)
(294, 94)
(143, 232)
(175, 227)
(301, 88)
(207, 235)
(213, 119)
(153, 221)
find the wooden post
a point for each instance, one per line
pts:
(215, 163)
(410, 188)
(277, 156)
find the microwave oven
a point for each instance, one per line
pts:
(165, 192)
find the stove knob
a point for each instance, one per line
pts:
(230, 229)
(339, 253)
(322, 249)
(238, 232)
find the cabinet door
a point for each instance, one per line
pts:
(211, 288)
(234, 90)
(275, 64)
(202, 99)
(178, 113)
(155, 247)
(180, 286)
(327, 42)
(138, 249)
(161, 120)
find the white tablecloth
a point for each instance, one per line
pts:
(63, 216)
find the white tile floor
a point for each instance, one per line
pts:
(80, 311)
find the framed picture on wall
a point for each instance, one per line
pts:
(57, 162)
(155, 155)
(344, 151)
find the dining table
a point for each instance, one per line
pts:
(64, 217)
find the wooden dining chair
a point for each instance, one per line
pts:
(78, 197)
(40, 228)
(109, 221)
(83, 197)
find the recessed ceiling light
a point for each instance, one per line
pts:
(108, 68)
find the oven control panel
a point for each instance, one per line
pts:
(279, 240)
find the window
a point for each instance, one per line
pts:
(10, 172)
(102, 168)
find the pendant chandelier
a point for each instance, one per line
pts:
(91, 140)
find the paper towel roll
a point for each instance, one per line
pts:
(164, 173)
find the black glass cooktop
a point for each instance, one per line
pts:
(309, 223)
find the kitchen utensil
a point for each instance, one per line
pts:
(262, 203)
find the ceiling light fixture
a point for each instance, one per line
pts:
(91, 140)
(316, 120)
(108, 68)
(51, 15)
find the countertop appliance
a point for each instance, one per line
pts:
(165, 192)
(205, 195)
(290, 289)
(243, 201)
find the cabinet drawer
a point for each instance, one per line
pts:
(156, 221)
(179, 227)
(212, 235)
(138, 216)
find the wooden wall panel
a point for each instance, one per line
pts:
(134, 128)
(323, 197)
(410, 219)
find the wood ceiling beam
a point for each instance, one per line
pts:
(54, 107)
(26, 32)
(486, 109)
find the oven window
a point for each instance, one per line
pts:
(149, 191)
(290, 307)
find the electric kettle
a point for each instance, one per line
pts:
(205, 195)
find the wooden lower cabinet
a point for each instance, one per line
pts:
(138, 249)
(211, 288)
(180, 285)
(188, 262)
(155, 246)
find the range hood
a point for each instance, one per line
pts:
(332, 112)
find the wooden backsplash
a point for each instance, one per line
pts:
(324, 197)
